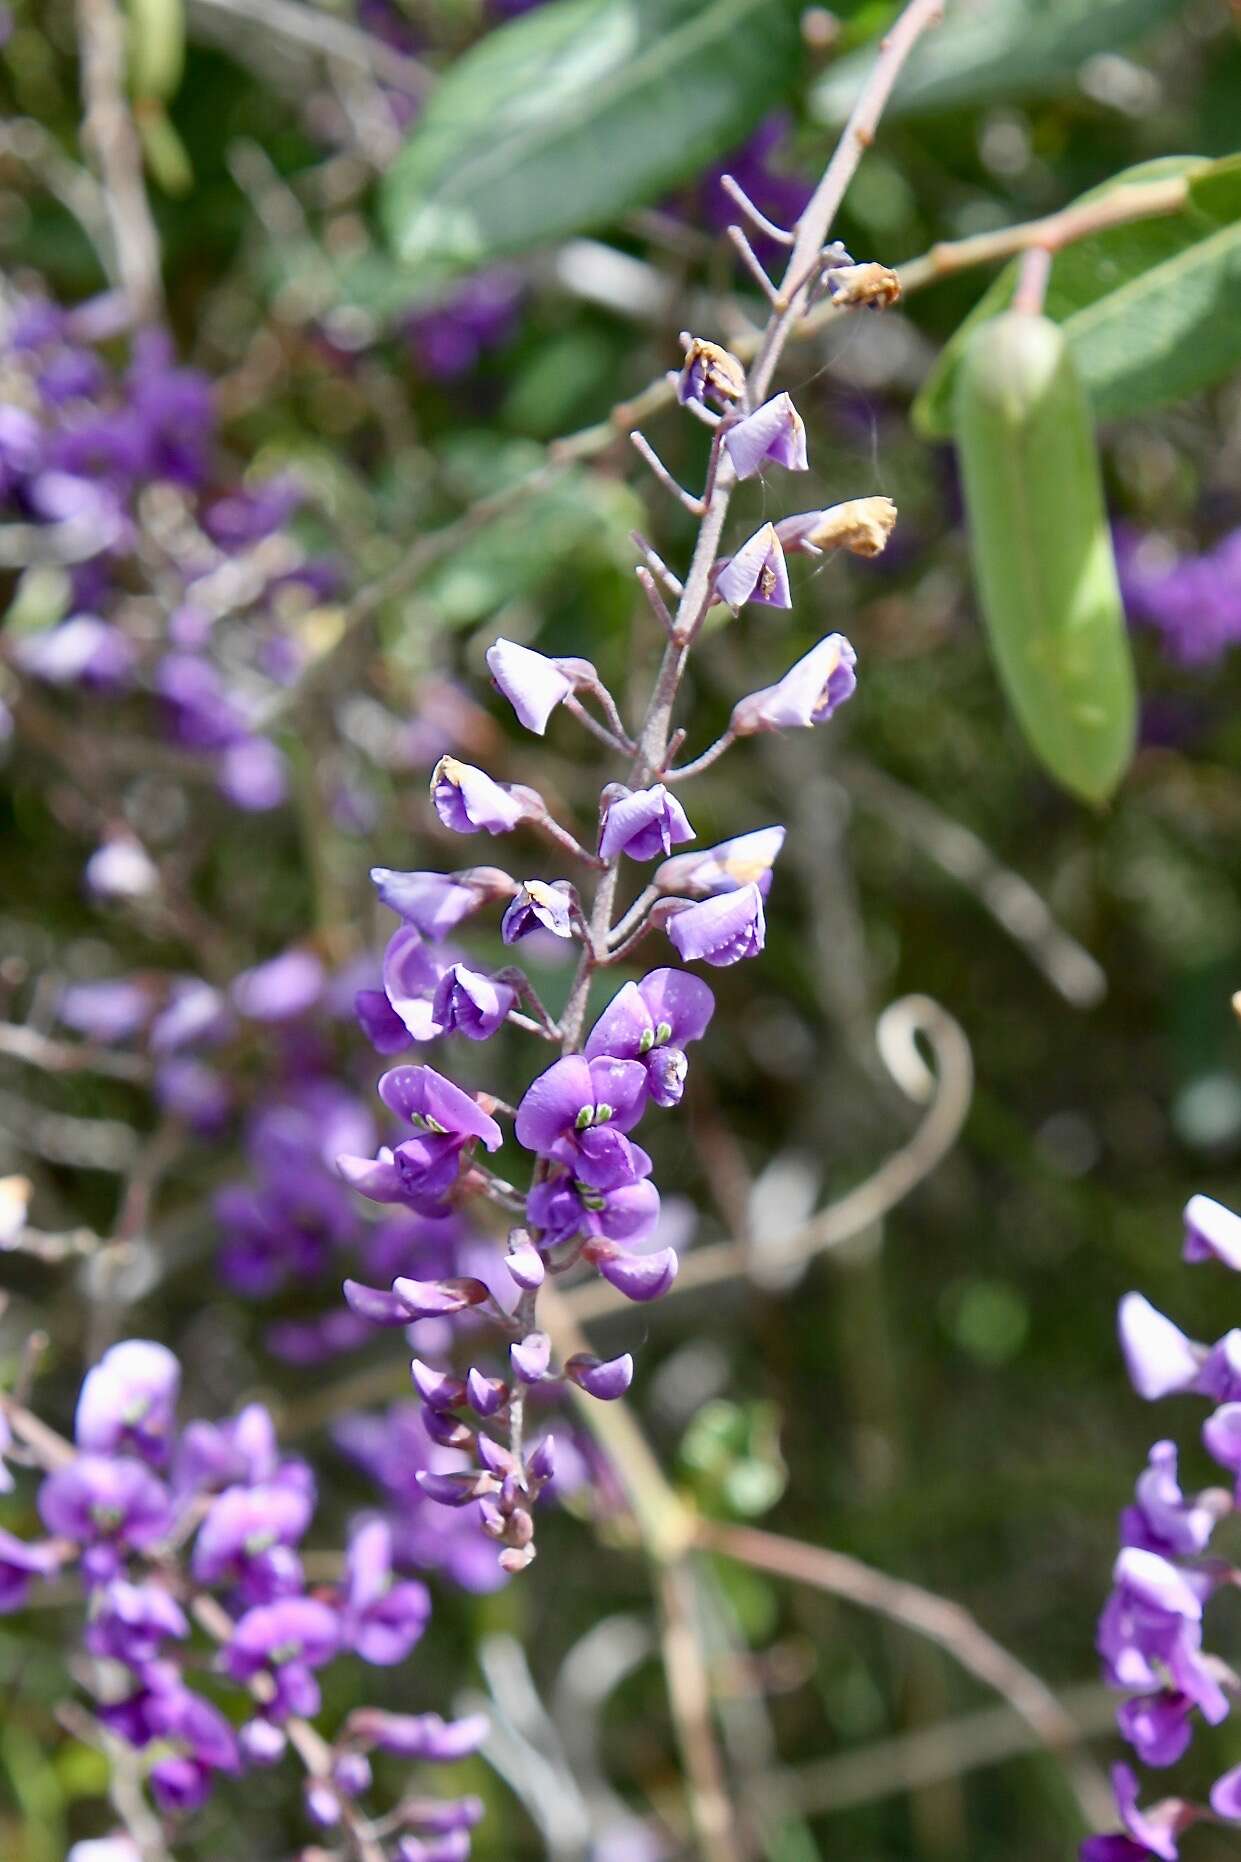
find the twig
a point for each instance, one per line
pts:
(324, 34)
(1011, 900)
(939, 1619)
(108, 130)
(912, 1761)
(689, 1690)
(40, 1050)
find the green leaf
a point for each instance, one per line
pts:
(1149, 309)
(988, 50)
(1042, 551)
(571, 114)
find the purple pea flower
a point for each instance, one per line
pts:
(470, 1003)
(81, 651)
(253, 775)
(436, 902)
(564, 1209)
(281, 989)
(578, 1112)
(1162, 1520)
(606, 1380)
(1157, 1726)
(380, 1620)
(1221, 1435)
(539, 907)
(711, 371)
(1226, 1795)
(1159, 1358)
(422, 1170)
(775, 432)
(110, 1011)
(643, 823)
(412, 973)
(533, 684)
(756, 573)
(653, 1022)
(808, 694)
(467, 800)
(720, 930)
(107, 1504)
(247, 1538)
(1150, 1632)
(20, 1564)
(1149, 1833)
(285, 1640)
(417, 1735)
(1212, 1233)
(131, 1622)
(128, 1402)
(746, 860)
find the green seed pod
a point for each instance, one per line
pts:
(156, 45)
(1042, 551)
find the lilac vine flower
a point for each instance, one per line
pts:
(470, 1003)
(435, 903)
(720, 930)
(467, 800)
(746, 860)
(774, 433)
(533, 684)
(128, 1402)
(577, 1113)
(421, 1171)
(1212, 1232)
(756, 573)
(539, 907)
(808, 694)
(285, 1640)
(709, 373)
(108, 1504)
(643, 823)
(653, 1022)
(380, 1619)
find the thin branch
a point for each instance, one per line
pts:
(1011, 900)
(40, 1050)
(591, 724)
(689, 1691)
(737, 194)
(938, 1619)
(324, 34)
(656, 602)
(647, 453)
(754, 265)
(709, 756)
(109, 133)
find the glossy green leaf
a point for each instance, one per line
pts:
(1149, 309)
(988, 50)
(571, 114)
(1042, 551)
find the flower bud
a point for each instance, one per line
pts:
(860, 525)
(709, 370)
(756, 573)
(606, 1380)
(775, 432)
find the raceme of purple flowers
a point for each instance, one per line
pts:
(585, 1193)
(187, 1543)
(1152, 1635)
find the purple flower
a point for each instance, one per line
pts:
(449, 338)
(109, 1504)
(606, 1380)
(81, 651)
(744, 861)
(380, 1620)
(578, 1112)
(417, 1735)
(20, 1564)
(246, 1540)
(286, 1640)
(1226, 1795)
(1159, 1358)
(471, 1004)
(533, 684)
(128, 1402)
(756, 573)
(535, 906)
(720, 930)
(281, 989)
(1212, 1232)
(1150, 1632)
(1162, 1520)
(709, 371)
(774, 432)
(563, 1208)
(1157, 1726)
(1153, 1833)
(107, 1011)
(412, 972)
(131, 1622)
(653, 1022)
(193, 1013)
(643, 823)
(241, 1451)
(435, 902)
(808, 694)
(253, 775)
(422, 1170)
(467, 800)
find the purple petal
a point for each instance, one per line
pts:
(1159, 1357)
(376, 1177)
(376, 1304)
(637, 1276)
(773, 432)
(756, 573)
(720, 930)
(533, 684)
(1212, 1232)
(531, 1357)
(606, 1380)
(467, 800)
(644, 823)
